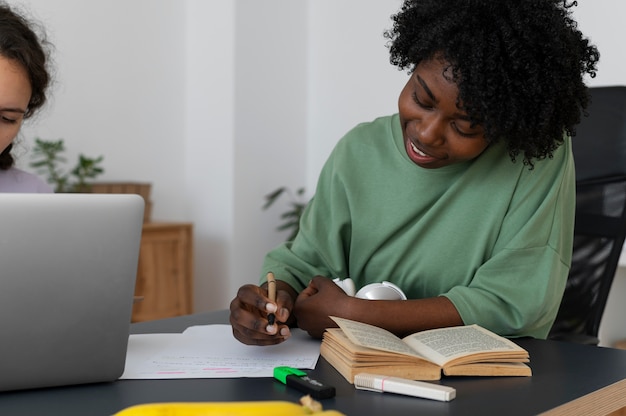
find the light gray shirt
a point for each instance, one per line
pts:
(15, 180)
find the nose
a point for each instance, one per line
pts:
(432, 131)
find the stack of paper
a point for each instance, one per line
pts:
(211, 351)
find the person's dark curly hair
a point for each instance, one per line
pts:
(20, 43)
(519, 64)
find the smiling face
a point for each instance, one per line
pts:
(436, 132)
(15, 92)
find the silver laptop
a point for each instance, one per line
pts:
(68, 264)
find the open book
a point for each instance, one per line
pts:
(471, 350)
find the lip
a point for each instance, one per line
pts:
(418, 155)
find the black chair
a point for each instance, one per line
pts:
(600, 228)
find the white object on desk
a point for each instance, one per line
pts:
(211, 351)
(373, 382)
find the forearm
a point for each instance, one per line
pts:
(404, 317)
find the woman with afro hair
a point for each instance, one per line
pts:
(464, 199)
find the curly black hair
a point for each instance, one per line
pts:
(24, 42)
(518, 64)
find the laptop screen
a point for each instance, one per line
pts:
(68, 266)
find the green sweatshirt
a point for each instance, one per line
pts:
(492, 235)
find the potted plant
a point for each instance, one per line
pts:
(47, 155)
(291, 217)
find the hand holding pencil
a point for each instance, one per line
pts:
(272, 308)
(261, 315)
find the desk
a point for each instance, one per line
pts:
(562, 372)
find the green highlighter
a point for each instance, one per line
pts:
(299, 380)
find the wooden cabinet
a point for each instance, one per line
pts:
(164, 276)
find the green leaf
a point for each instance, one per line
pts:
(47, 155)
(291, 217)
(272, 197)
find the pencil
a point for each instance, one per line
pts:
(271, 290)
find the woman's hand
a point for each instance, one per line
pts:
(249, 310)
(315, 304)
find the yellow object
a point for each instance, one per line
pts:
(262, 408)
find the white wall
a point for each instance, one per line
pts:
(603, 22)
(271, 73)
(219, 102)
(350, 77)
(207, 136)
(119, 90)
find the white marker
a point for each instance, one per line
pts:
(374, 382)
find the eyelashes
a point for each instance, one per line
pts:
(454, 125)
(419, 103)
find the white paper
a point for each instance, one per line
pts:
(211, 351)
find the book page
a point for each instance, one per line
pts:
(371, 336)
(445, 344)
(348, 366)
